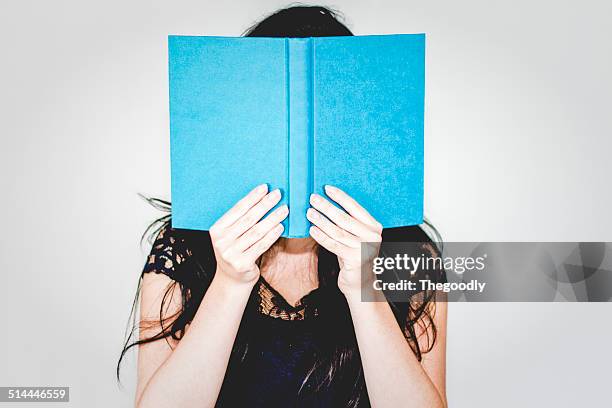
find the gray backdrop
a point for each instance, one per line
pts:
(517, 148)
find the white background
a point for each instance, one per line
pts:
(518, 141)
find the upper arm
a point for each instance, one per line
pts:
(160, 296)
(434, 361)
(431, 327)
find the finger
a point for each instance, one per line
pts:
(261, 246)
(339, 217)
(353, 207)
(326, 242)
(331, 229)
(260, 229)
(254, 214)
(242, 206)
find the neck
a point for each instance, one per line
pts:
(290, 267)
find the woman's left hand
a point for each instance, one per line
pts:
(342, 233)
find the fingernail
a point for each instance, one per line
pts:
(276, 193)
(284, 208)
(329, 188)
(314, 198)
(262, 187)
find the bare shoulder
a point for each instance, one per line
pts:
(160, 297)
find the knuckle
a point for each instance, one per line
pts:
(218, 242)
(250, 219)
(227, 255)
(262, 245)
(254, 233)
(345, 217)
(280, 213)
(241, 207)
(268, 239)
(343, 233)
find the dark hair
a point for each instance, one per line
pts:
(300, 21)
(338, 360)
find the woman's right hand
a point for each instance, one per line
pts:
(240, 236)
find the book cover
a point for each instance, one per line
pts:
(298, 114)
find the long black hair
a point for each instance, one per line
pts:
(337, 362)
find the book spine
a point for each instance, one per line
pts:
(300, 88)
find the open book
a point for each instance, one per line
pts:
(298, 114)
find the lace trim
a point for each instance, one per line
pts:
(274, 305)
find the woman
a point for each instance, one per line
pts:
(239, 317)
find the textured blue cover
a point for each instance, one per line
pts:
(297, 114)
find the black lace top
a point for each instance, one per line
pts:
(283, 342)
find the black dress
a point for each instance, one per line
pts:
(283, 343)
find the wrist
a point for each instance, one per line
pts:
(351, 294)
(362, 294)
(230, 286)
(365, 303)
(348, 288)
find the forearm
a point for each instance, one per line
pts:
(192, 375)
(394, 376)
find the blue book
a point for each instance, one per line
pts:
(298, 114)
